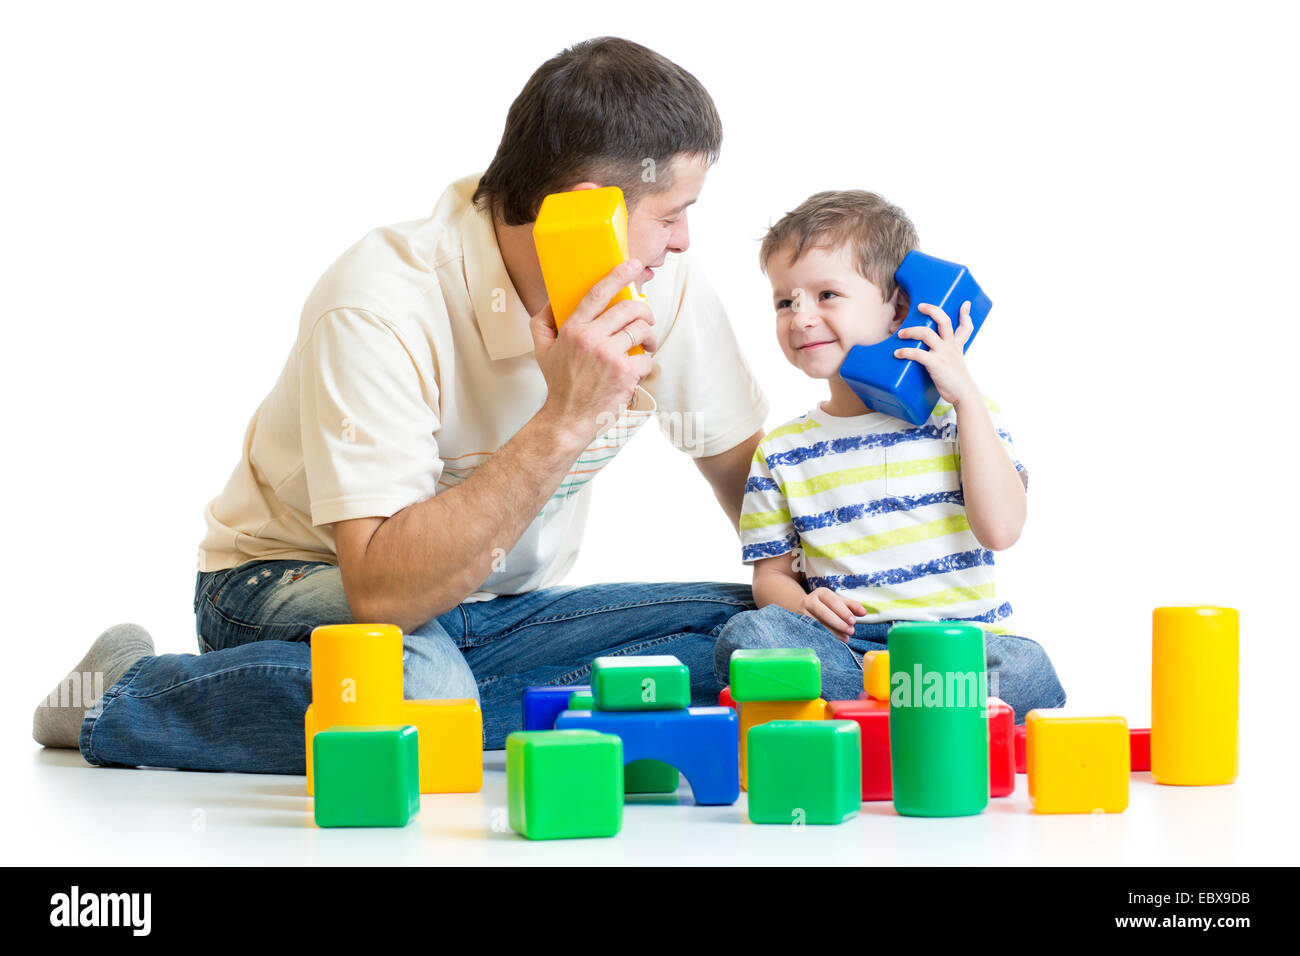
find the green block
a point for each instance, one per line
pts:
(581, 701)
(366, 776)
(564, 783)
(777, 673)
(650, 776)
(804, 771)
(640, 683)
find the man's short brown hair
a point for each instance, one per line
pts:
(879, 234)
(605, 110)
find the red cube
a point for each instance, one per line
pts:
(1139, 748)
(872, 717)
(1002, 748)
(1020, 748)
(724, 699)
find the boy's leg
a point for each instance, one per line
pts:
(240, 704)
(1021, 674)
(551, 636)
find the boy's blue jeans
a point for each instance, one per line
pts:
(239, 704)
(1019, 670)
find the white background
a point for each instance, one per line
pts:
(1119, 178)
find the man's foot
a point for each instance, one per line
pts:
(57, 721)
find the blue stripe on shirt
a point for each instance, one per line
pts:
(880, 506)
(960, 561)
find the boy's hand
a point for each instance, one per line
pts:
(945, 360)
(835, 612)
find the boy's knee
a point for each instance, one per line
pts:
(1021, 673)
(747, 630)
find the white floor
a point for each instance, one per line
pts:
(75, 814)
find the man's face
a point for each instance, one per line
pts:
(824, 308)
(657, 226)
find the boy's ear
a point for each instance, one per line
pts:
(901, 303)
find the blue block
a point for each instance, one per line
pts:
(543, 704)
(902, 387)
(701, 742)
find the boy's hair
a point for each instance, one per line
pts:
(598, 111)
(880, 234)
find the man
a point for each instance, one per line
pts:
(425, 458)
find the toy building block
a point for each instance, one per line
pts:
(1020, 748)
(543, 704)
(875, 674)
(701, 742)
(356, 675)
(1194, 687)
(1139, 748)
(872, 718)
(726, 700)
(804, 771)
(640, 683)
(1002, 748)
(366, 776)
(582, 700)
(641, 776)
(580, 237)
(1077, 764)
(775, 673)
(309, 731)
(755, 712)
(562, 784)
(902, 387)
(450, 744)
(938, 728)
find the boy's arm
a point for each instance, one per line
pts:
(777, 582)
(991, 485)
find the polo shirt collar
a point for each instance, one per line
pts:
(505, 333)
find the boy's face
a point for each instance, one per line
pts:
(657, 225)
(824, 308)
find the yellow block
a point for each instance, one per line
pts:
(309, 731)
(580, 236)
(875, 674)
(755, 712)
(1194, 686)
(450, 741)
(1076, 764)
(356, 675)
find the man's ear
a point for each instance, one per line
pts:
(901, 303)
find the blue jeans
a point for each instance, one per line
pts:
(239, 704)
(1019, 670)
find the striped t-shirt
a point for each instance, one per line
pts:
(873, 507)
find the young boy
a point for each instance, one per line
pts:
(854, 519)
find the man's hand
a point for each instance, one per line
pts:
(946, 360)
(589, 376)
(836, 612)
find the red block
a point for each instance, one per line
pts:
(1139, 748)
(872, 717)
(1002, 748)
(724, 699)
(1020, 748)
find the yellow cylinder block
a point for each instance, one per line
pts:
(875, 674)
(1194, 681)
(580, 236)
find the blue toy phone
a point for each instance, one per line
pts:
(902, 387)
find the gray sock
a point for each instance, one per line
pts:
(57, 721)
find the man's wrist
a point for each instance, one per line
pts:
(560, 431)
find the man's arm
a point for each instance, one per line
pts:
(427, 558)
(430, 556)
(727, 473)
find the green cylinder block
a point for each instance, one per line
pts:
(938, 731)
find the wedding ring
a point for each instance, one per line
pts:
(631, 341)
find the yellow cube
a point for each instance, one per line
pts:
(755, 712)
(875, 674)
(450, 742)
(1076, 763)
(580, 236)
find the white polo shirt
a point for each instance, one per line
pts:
(414, 364)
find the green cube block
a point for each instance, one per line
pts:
(650, 776)
(640, 683)
(366, 776)
(804, 771)
(777, 673)
(564, 783)
(581, 701)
